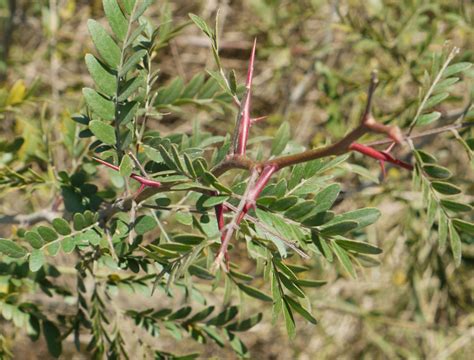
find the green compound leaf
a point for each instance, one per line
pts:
(36, 260)
(253, 292)
(246, 324)
(344, 259)
(35, 240)
(427, 119)
(79, 221)
(301, 310)
(12, 249)
(61, 226)
(105, 45)
(52, 336)
(281, 139)
(436, 99)
(445, 188)
(289, 320)
(339, 228)
(326, 197)
(455, 206)
(359, 246)
(101, 75)
(104, 132)
(437, 172)
(126, 166)
(442, 228)
(455, 242)
(456, 68)
(47, 233)
(141, 7)
(364, 217)
(117, 21)
(132, 62)
(99, 104)
(144, 224)
(128, 5)
(201, 24)
(464, 226)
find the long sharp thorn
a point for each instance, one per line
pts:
(143, 181)
(116, 168)
(245, 109)
(255, 120)
(379, 155)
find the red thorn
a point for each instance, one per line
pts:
(114, 167)
(142, 187)
(143, 181)
(265, 176)
(245, 106)
(248, 83)
(379, 155)
(220, 216)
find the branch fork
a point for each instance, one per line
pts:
(262, 172)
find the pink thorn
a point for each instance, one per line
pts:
(116, 168)
(143, 181)
(140, 189)
(245, 107)
(220, 216)
(255, 120)
(379, 155)
(248, 83)
(262, 181)
(146, 182)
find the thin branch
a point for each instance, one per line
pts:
(30, 219)
(233, 162)
(367, 125)
(430, 132)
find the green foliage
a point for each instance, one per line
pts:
(160, 242)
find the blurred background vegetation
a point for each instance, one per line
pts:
(314, 59)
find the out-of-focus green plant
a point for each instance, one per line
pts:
(168, 220)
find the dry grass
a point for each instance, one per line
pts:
(311, 69)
